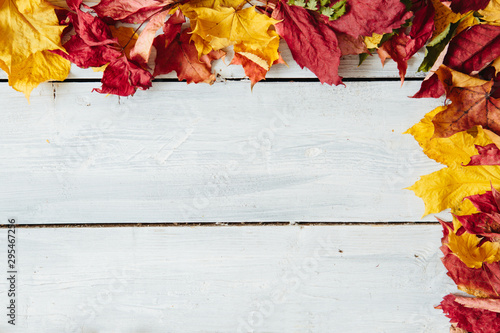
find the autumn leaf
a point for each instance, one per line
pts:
(474, 48)
(142, 48)
(122, 77)
(447, 187)
(152, 13)
(444, 16)
(468, 249)
(395, 48)
(470, 106)
(464, 6)
(96, 44)
(468, 52)
(257, 62)
(491, 14)
(436, 47)
(351, 45)
(313, 43)
(365, 17)
(486, 222)
(221, 27)
(487, 155)
(29, 30)
(480, 282)
(421, 29)
(455, 150)
(431, 87)
(472, 314)
(126, 11)
(181, 56)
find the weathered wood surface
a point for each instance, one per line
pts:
(288, 151)
(229, 279)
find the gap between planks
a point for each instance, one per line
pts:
(212, 224)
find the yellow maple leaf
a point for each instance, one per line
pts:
(466, 248)
(444, 16)
(219, 27)
(491, 14)
(454, 150)
(447, 187)
(263, 56)
(29, 28)
(187, 9)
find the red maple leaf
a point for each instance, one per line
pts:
(487, 222)
(312, 42)
(472, 314)
(181, 56)
(365, 17)
(488, 155)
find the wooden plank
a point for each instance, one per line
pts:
(229, 279)
(221, 153)
(371, 68)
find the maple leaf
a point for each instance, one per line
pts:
(29, 29)
(447, 187)
(455, 150)
(181, 56)
(480, 282)
(313, 43)
(365, 17)
(472, 314)
(220, 27)
(469, 106)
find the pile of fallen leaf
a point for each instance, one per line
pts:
(134, 41)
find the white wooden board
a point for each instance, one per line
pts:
(229, 279)
(288, 151)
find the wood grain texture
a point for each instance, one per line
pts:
(221, 153)
(229, 279)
